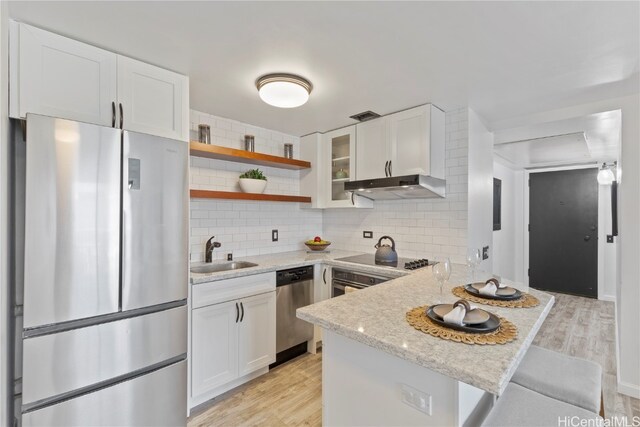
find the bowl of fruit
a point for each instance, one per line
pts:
(317, 244)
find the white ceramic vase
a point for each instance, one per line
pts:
(249, 185)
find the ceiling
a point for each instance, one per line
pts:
(593, 138)
(502, 59)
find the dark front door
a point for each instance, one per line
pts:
(563, 234)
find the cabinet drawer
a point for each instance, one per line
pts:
(230, 289)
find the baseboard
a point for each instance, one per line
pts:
(197, 403)
(610, 298)
(629, 389)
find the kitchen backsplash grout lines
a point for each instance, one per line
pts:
(244, 227)
(421, 227)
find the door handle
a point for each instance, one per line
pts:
(587, 238)
(386, 168)
(352, 202)
(324, 276)
(390, 170)
(113, 114)
(121, 115)
(242, 316)
(237, 313)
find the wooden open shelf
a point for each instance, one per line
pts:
(206, 194)
(231, 154)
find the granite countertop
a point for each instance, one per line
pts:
(283, 260)
(376, 317)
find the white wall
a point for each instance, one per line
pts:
(628, 243)
(244, 227)
(508, 241)
(480, 215)
(6, 386)
(421, 227)
(607, 252)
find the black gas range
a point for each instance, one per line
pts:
(401, 264)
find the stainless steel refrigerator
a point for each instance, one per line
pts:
(105, 277)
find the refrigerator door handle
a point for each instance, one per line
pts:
(121, 115)
(113, 114)
(242, 317)
(237, 313)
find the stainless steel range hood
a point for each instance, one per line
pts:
(398, 187)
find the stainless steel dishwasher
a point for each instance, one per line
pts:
(294, 289)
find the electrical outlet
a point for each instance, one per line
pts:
(230, 256)
(274, 235)
(416, 399)
(367, 234)
(485, 252)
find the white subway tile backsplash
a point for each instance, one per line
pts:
(244, 227)
(427, 227)
(421, 228)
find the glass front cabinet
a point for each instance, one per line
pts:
(333, 162)
(340, 166)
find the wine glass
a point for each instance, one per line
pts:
(447, 266)
(473, 260)
(442, 272)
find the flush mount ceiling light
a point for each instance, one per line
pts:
(605, 174)
(284, 90)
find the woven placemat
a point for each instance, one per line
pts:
(417, 318)
(527, 300)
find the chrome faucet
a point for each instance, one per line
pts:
(209, 247)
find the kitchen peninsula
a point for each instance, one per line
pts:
(379, 370)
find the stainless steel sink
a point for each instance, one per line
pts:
(226, 266)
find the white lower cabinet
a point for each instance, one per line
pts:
(214, 347)
(257, 333)
(321, 292)
(322, 282)
(233, 334)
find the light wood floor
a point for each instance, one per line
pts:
(585, 327)
(290, 395)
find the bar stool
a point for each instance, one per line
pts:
(566, 378)
(519, 406)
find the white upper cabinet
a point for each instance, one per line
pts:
(154, 100)
(333, 162)
(404, 143)
(340, 152)
(372, 148)
(312, 180)
(56, 76)
(60, 77)
(416, 140)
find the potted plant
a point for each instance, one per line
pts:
(253, 181)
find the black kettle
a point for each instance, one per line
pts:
(386, 254)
